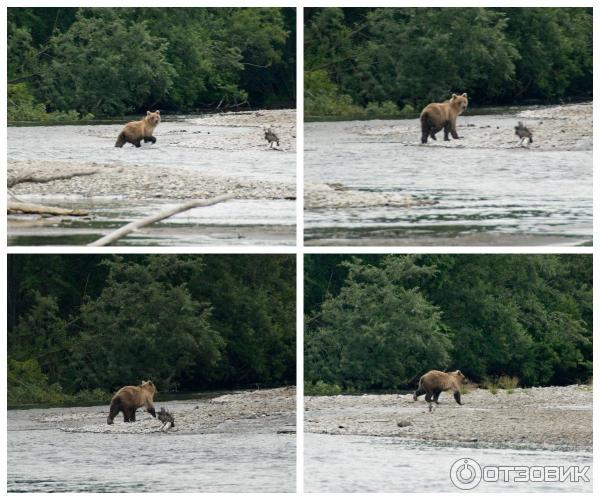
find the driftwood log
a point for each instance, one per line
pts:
(17, 207)
(138, 224)
(41, 179)
(20, 207)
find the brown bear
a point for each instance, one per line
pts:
(442, 115)
(434, 382)
(134, 132)
(129, 398)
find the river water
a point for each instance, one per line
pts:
(482, 190)
(338, 463)
(251, 457)
(184, 142)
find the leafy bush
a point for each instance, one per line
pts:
(22, 107)
(28, 384)
(376, 333)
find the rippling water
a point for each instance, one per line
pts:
(386, 464)
(485, 196)
(42, 458)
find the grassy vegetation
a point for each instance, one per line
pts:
(508, 383)
(320, 388)
(493, 384)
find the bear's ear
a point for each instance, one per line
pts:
(454, 96)
(465, 94)
(157, 111)
(148, 113)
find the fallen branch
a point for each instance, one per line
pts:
(41, 179)
(138, 224)
(14, 207)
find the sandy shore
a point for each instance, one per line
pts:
(542, 417)
(271, 410)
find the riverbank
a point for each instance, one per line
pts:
(566, 127)
(195, 157)
(540, 417)
(127, 182)
(373, 183)
(269, 410)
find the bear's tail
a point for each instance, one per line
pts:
(115, 408)
(120, 140)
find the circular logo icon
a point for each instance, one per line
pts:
(465, 473)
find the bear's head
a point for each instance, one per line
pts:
(148, 386)
(460, 102)
(460, 377)
(153, 118)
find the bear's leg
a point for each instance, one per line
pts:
(428, 397)
(113, 412)
(457, 397)
(446, 131)
(128, 415)
(419, 392)
(138, 143)
(432, 135)
(120, 141)
(151, 410)
(150, 138)
(453, 130)
(425, 128)
(436, 395)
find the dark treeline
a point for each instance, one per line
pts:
(111, 61)
(92, 322)
(398, 59)
(379, 322)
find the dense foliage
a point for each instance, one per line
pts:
(407, 57)
(111, 61)
(379, 322)
(91, 322)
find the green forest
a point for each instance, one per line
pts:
(81, 326)
(393, 61)
(378, 322)
(70, 63)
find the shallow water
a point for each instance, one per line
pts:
(334, 463)
(482, 195)
(248, 458)
(183, 143)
